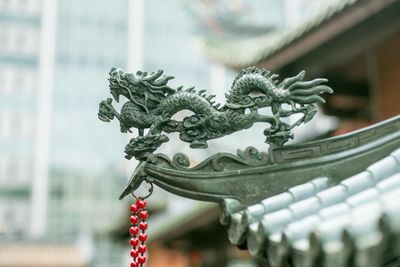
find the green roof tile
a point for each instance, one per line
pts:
(389, 183)
(329, 216)
(332, 195)
(363, 197)
(383, 168)
(358, 182)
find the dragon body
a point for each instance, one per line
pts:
(152, 104)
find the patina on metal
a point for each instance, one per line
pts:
(151, 103)
(251, 176)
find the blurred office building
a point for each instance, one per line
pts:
(60, 169)
(19, 75)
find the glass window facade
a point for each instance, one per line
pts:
(19, 40)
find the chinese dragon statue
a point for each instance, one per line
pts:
(152, 103)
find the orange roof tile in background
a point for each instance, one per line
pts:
(41, 256)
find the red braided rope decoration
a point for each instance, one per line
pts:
(137, 231)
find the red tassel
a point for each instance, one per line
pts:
(137, 241)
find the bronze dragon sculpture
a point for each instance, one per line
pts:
(152, 103)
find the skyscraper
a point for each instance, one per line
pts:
(21, 112)
(57, 173)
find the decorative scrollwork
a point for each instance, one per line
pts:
(250, 157)
(181, 160)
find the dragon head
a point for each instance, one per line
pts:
(142, 88)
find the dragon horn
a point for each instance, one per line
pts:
(288, 81)
(153, 76)
(163, 81)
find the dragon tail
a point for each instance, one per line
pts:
(306, 92)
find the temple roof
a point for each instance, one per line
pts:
(244, 52)
(329, 202)
(319, 224)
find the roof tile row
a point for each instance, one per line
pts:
(344, 222)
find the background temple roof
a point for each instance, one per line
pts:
(243, 52)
